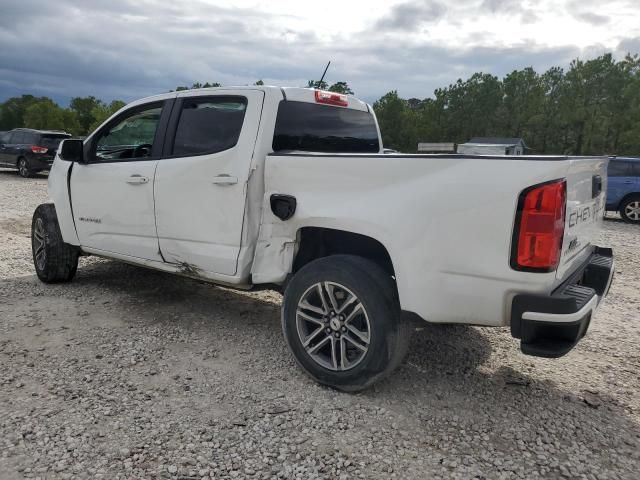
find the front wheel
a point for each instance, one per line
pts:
(630, 210)
(341, 319)
(54, 260)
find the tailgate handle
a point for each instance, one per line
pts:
(596, 186)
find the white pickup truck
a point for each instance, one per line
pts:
(289, 188)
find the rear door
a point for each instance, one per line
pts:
(12, 149)
(200, 186)
(586, 198)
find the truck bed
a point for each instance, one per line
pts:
(446, 220)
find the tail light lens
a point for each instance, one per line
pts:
(539, 228)
(332, 98)
(36, 149)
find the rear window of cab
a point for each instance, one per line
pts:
(310, 127)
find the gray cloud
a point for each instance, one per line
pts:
(592, 18)
(629, 45)
(503, 6)
(129, 49)
(411, 15)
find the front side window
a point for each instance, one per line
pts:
(130, 137)
(618, 169)
(311, 127)
(17, 138)
(209, 125)
(4, 137)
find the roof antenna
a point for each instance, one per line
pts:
(325, 72)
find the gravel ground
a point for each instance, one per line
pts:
(129, 373)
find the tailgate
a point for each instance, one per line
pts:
(586, 194)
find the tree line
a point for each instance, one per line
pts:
(593, 107)
(82, 116)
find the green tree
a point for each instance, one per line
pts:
(198, 85)
(341, 87)
(12, 111)
(83, 107)
(102, 112)
(398, 123)
(320, 85)
(44, 114)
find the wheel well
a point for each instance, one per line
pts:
(316, 242)
(628, 196)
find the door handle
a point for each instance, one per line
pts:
(224, 180)
(628, 182)
(137, 180)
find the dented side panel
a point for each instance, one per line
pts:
(274, 252)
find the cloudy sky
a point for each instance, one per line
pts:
(132, 48)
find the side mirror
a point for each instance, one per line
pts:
(72, 150)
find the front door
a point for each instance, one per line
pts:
(112, 195)
(200, 185)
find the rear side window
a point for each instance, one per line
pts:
(635, 169)
(51, 141)
(209, 125)
(618, 169)
(18, 138)
(323, 128)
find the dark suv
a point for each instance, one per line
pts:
(29, 151)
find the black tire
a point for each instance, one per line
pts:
(54, 260)
(23, 168)
(388, 334)
(627, 207)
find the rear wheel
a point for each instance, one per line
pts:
(341, 319)
(54, 260)
(23, 168)
(630, 209)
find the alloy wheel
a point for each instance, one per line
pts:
(333, 326)
(632, 210)
(39, 243)
(22, 168)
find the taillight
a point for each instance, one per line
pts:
(331, 98)
(35, 149)
(539, 228)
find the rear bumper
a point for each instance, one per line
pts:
(40, 162)
(551, 325)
